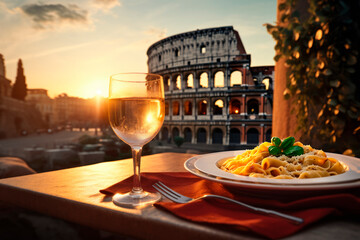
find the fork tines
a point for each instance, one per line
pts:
(166, 191)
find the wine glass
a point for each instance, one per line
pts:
(136, 114)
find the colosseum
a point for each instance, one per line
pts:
(213, 97)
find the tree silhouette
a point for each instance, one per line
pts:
(19, 88)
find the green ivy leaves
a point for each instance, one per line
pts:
(322, 54)
(285, 147)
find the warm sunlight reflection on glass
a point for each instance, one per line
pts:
(149, 118)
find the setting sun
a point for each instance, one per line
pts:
(98, 92)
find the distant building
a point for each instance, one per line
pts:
(39, 97)
(39, 111)
(63, 109)
(76, 111)
(5, 84)
(212, 95)
(16, 116)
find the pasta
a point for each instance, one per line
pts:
(258, 162)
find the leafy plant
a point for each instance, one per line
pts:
(322, 56)
(179, 141)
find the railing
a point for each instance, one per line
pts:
(231, 117)
(241, 88)
(184, 62)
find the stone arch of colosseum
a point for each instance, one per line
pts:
(212, 95)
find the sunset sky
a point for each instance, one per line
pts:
(73, 47)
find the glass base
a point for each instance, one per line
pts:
(135, 200)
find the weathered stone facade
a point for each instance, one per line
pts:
(5, 84)
(16, 116)
(212, 95)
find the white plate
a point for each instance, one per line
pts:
(205, 166)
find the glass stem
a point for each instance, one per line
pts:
(136, 154)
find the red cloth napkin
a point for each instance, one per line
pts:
(223, 213)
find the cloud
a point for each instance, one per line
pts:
(106, 4)
(157, 32)
(48, 15)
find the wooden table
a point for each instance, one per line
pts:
(73, 194)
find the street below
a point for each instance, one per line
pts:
(15, 146)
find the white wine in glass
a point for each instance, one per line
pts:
(136, 114)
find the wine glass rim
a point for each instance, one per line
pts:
(113, 77)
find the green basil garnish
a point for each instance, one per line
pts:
(274, 150)
(294, 151)
(288, 142)
(276, 141)
(285, 147)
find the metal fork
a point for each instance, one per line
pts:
(178, 198)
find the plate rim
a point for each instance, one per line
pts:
(190, 163)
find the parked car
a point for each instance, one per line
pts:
(109, 147)
(92, 147)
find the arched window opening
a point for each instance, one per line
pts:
(217, 136)
(178, 83)
(188, 108)
(236, 78)
(204, 80)
(175, 133)
(164, 134)
(166, 108)
(202, 109)
(187, 135)
(190, 81)
(219, 79)
(268, 135)
(166, 84)
(234, 107)
(253, 106)
(176, 108)
(252, 136)
(201, 135)
(177, 53)
(218, 107)
(267, 82)
(202, 49)
(235, 136)
(157, 137)
(160, 58)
